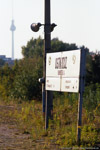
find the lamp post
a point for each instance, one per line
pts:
(47, 96)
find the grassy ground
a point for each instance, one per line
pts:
(11, 137)
(22, 126)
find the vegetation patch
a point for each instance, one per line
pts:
(62, 129)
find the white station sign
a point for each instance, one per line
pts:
(63, 71)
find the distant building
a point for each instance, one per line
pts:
(2, 57)
(7, 59)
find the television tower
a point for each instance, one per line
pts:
(12, 28)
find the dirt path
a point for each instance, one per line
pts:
(11, 137)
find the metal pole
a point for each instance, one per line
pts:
(47, 49)
(79, 117)
(43, 100)
(82, 80)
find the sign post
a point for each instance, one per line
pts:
(48, 100)
(65, 72)
(81, 90)
(47, 96)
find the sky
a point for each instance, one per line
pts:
(78, 21)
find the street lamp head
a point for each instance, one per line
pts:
(35, 26)
(53, 25)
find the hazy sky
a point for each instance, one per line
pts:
(78, 21)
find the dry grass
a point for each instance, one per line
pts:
(24, 123)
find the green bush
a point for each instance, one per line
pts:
(91, 97)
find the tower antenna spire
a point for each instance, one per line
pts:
(12, 9)
(12, 28)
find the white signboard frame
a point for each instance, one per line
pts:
(63, 71)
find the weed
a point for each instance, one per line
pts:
(62, 129)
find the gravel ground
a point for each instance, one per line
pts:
(11, 137)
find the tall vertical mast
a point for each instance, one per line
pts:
(12, 28)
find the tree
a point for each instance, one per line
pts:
(6, 81)
(21, 80)
(58, 46)
(26, 85)
(93, 68)
(35, 47)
